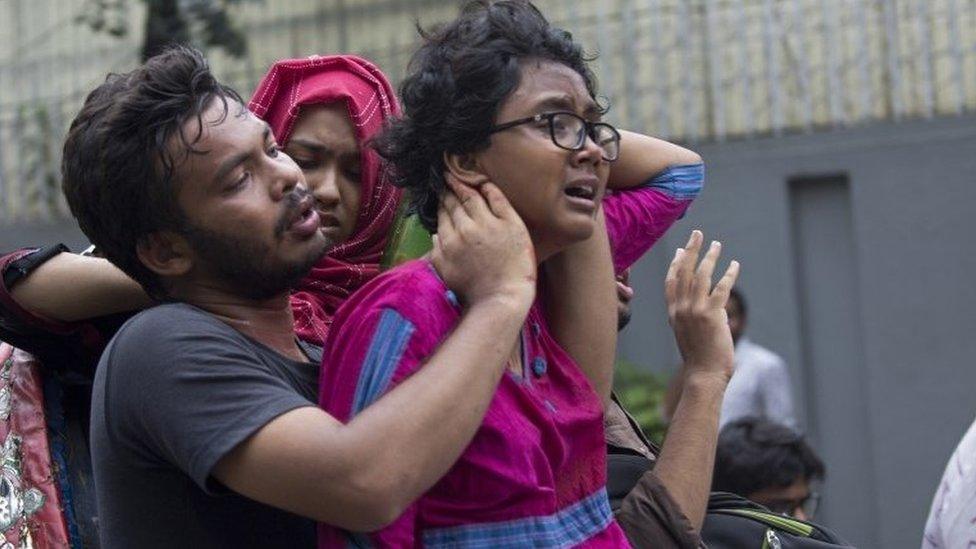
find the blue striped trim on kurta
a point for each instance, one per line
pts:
(385, 351)
(569, 527)
(682, 182)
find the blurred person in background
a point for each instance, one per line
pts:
(760, 385)
(770, 464)
(952, 518)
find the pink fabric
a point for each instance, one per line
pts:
(539, 452)
(27, 464)
(291, 84)
(639, 217)
(535, 472)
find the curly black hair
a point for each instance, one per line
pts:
(118, 162)
(456, 83)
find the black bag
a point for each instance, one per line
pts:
(733, 522)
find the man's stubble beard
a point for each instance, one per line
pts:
(244, 264)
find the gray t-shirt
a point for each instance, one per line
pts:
(175, 391)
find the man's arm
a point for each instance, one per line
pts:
(697, 314)
(361, 476)
(70, 287)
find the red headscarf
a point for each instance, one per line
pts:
(292, 83)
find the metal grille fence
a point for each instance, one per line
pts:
(691, 70)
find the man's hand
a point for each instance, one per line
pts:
(482, 249)
(696, 310)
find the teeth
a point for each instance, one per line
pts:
(583, 192)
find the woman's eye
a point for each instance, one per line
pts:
(273, 151)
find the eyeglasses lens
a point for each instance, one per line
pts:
(570, 132)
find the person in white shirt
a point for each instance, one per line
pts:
(760, 386)
(952, 519)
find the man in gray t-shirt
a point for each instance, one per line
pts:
(175, 391)
(204, 427)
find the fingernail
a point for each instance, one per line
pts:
(716, 244)
(678, 252)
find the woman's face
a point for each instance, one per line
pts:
(323, 144)
(555, 191)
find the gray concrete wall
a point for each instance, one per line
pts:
(867, 292)
(18, 235)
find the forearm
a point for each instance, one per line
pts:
(361, 476)
(673, 394)
(688, 455)
(409, 439)
(70, 287)
(642, 157)
(581, 306)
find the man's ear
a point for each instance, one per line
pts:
(165, 253)
(465, 168)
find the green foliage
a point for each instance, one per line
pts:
(641, 392)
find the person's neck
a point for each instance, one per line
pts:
(269, 321)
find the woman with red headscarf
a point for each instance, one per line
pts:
(323, 111)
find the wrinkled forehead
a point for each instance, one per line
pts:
(546, 85)
(325, 124)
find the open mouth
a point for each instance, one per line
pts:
(305, 221)
(585, 192)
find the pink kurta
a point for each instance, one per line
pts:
(535, 472)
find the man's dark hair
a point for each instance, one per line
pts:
(740, 300)
(456, 83)
(118, 160)
(754, 454)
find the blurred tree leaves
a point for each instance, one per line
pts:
(641, 392)
(202, 23)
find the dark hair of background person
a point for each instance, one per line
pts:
(740, 300)
(119, 158)
(456, 83)
(754, 454)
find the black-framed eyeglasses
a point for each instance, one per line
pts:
(569, 131)
(788, 507)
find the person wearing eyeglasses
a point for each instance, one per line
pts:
(770, 464)
(498, 102)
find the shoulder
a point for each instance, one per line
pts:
(175, 332)
(759, 355)
(171, 321)
(413, 290)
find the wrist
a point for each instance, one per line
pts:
(705, 383)
(514, 302)
(518, 295)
